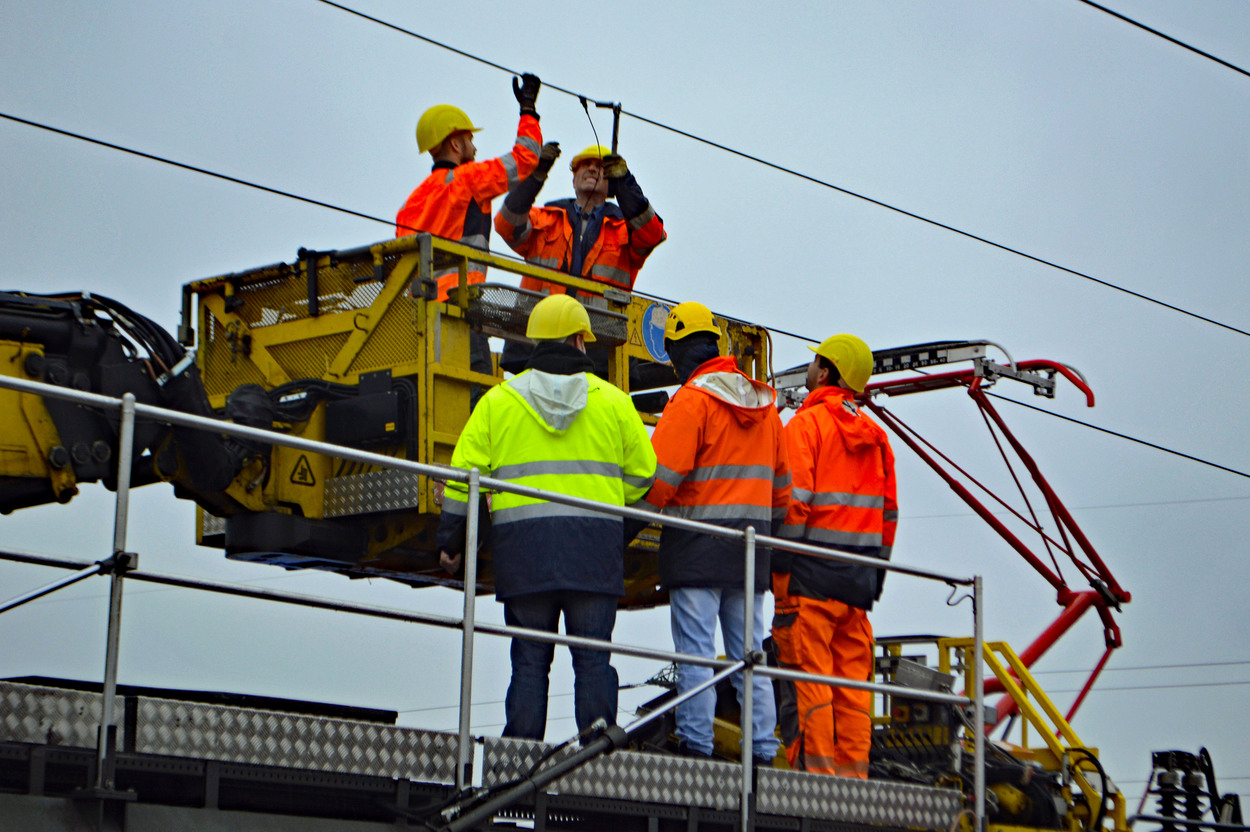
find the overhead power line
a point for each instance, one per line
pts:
(1148, 667)
(1166, 37)
(1091, 426)
(193, 168)
(1097, 689)
(1147, 504)
(362, 215)
(1034, 672)
(807, 177)
(1222, 778)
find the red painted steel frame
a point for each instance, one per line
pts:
(1106, 592)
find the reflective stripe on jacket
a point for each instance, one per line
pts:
(844, 497)
(454, 202)
(721, 458)
(575, 434)
(546, 238)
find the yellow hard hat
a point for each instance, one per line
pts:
(687, 319)
(851, 356)
(595, 151)
(556, 317)
(439, 122)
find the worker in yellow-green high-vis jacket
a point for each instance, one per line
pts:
(557, 427)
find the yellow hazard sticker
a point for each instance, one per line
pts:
(303, 473)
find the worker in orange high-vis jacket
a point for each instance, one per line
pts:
(721, 459)
(844, 497)
(585, 235)
(454, 201)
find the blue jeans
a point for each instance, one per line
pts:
(695, 611)
(586, 614)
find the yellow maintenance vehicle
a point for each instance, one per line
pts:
(351, 347)
(347, 347)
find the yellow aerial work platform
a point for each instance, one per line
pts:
(356, 351)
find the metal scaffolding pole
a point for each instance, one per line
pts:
(978, 699)
(464, 750)
(120, 563)
(747, 719)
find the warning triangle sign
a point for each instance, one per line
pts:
(634, 338)
(303, 473)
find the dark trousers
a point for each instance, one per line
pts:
(586, 614)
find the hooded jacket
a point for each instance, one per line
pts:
(844, 497)
(721, 459)
(571, 433)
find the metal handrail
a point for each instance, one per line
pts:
(443, 472)
(131, 411)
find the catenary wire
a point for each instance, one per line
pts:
(1034, 672)
(1148, 667)
(452, 707)
(193, 168)
(1222, 778)
(809, 178)
(914, 517)
(1158, 687)
(1165, 36)
(362, 215)
(1123, 436)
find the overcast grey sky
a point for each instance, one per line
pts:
(1049, 127)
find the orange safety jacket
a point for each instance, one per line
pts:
(721, 458)
(545, 238)
(844, 497)
(615, 257)
(454, 201)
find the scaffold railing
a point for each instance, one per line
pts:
(122, 565)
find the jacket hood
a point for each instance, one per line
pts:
(555, 401)
(748, 399)
(858, 431)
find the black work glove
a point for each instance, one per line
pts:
(526, 91)
(546, 158)
(614, 166)
(614, 169)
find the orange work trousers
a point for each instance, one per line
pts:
(830, 731)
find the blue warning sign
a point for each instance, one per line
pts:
(653, 321)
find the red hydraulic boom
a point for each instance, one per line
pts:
(1067, 540)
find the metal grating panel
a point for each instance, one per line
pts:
(393, 341)
(241, 735)
(386, 490)
(53, 716)
(647, 778)
(872, 802)
(308, 358)
(224, 369)
(683, 781)
(281, 294)
(508, 308)
(213, 524)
